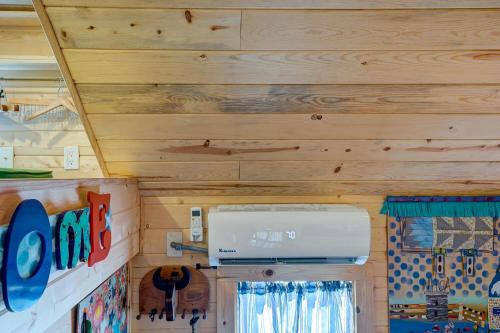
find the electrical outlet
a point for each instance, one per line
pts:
(6, 157)
(175, 236)
(71, 158)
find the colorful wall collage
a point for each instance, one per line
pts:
(440, 273)
(105, 309)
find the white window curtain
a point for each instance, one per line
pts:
(295, 307)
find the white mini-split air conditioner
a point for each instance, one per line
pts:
(289, 234)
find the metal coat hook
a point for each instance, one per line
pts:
(194, 320)
(160, 316)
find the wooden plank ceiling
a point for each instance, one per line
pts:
(249, 97)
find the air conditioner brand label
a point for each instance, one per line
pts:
(227, 251)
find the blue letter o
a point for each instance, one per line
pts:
(20, 294)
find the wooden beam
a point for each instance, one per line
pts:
(290, 4)
(310, 99)
(283, 67)
(49, 30)
(259, 188)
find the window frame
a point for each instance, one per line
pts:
(361, 277)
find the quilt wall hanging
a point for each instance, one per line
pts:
(105, 309)
(443, 272)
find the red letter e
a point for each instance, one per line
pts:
(100, 237)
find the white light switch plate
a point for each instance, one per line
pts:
(175, 236)
(6, 157)
(71, 158)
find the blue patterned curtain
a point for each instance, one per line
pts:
(295, 307)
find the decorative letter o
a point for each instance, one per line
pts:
(19, 294)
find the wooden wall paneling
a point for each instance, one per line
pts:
(50, 151)
(36, 147)
(283, 67)
(21, 33)
(62, 325)
(45, 72)
(19, 41)
(226, 300)
(305, 188)
(181, 99)
(152, 260)
(111, 28)
(297, 150)
(89, 168)
(61, 122)
(238, 127)
(306, 272)
(18, 18)
(272, 4)
(52, 38)
(381, 171)
(370, 30)
(33, 87)
(18, 92)
(33, 143)
(14, 3)
(177, 170)
(363, 200)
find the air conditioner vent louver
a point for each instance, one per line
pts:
(289, 261)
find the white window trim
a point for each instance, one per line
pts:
(361, 276)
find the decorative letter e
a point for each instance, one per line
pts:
(100, 236)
